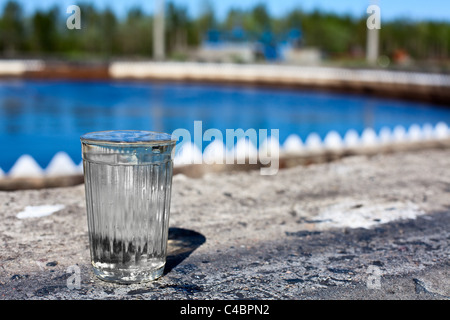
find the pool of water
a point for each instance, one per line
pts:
(41, 118)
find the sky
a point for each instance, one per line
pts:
(390, 9)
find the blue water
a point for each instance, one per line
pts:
(41, 118)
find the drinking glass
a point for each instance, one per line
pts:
(128, 181)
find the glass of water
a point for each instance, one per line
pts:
(128, 181)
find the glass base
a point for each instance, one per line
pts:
(126, 276)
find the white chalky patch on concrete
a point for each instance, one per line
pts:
(363, 215)
(39, 211)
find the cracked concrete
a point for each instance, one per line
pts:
(357, 228)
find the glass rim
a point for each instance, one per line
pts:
(101, 138)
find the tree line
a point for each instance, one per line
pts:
(105, 35)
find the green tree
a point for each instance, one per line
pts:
(261, 18)
(11, 28)
(136, 33)
(234, 18)
(207, 19)
(91, 41)
(329, 32)
(108, 32)
(44, 37)
(176, 27)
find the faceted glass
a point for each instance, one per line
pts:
(128, 181)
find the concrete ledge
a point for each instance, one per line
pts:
(360, 227)
(19, 67)
(11, 184)
(405, 85)
(287, 160)
(432, 88)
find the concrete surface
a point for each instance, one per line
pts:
(361, 227)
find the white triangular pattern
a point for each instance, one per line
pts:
(270, 147)
(351, 138)
(215, 152)
(80, 168)
(385, 135)
(244, 149)
(313, 141)
(399, 134)
(26, 166)
(293, 144)
(427, 131)
(333, 141)
(188, 153)
(415, 133)
(369, 137)
(441, 131)
(60, 165)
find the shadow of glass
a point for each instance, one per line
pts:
(181, 243)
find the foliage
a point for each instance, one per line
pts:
(105, 35)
